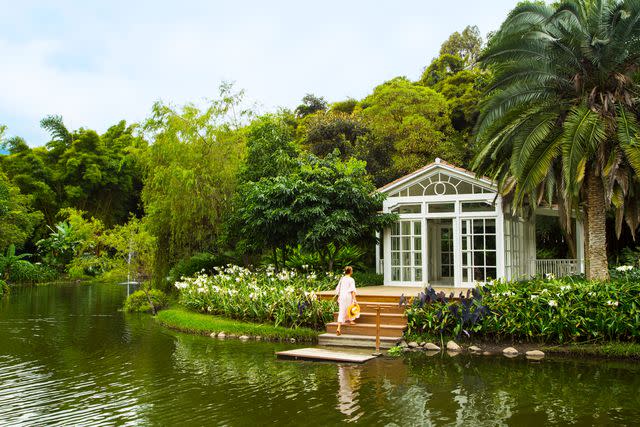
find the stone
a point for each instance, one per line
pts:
(406, 349)
(258, 338)
(510, 351)
(431, 353)
(232, 336)
(413, 344)
(244, 337)
(213, 334)
(486, 353)
(222, 335)
(475, 349)
(292, 340)
(452, 346)
(404, 344)
(422, 343)
(451, 353)
(431, 347)
(534, 354)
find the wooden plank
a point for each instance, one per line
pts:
(324, 354)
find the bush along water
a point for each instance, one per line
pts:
(542, 309)
(138, 302)
(4, 288)
(287, 298)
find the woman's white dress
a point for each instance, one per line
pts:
(346, 285)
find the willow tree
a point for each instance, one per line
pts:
(191, 170)
(561, 118)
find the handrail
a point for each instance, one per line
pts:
(377, 353)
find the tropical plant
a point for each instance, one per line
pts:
(541, 309)
(10, 260)
(4, 288)
(560, 119)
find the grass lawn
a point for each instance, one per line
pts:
(614, 350)
(204, 324)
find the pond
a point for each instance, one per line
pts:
(68, 356)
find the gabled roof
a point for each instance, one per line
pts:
(437, 164)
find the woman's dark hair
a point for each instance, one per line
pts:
(348, 270)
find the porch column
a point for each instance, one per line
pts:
(425, 251)
(580, 244)
(457, 249)
(500, 268)
(386, 247)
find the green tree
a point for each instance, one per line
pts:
(270, 147)
(466, 45)
(310, 104)
(323, 132)
(410, 123)
(17, 219)
(191, 173)
(560, 119)
(325, 205)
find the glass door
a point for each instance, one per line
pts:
(406, 251)
(478, 237)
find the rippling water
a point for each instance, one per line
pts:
(69, 357)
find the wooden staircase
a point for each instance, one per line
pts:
(393, 322)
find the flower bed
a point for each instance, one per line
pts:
(549, 310)
(285, 299)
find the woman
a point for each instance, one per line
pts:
(346, 292)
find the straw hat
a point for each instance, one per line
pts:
(353, 311)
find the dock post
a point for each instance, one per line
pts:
(377, 353)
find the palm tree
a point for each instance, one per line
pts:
(560, 121)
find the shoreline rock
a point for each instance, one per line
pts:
(452, 346)
(510, 351)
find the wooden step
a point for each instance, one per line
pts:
(346, 340)
(367, 329)
(385, 318)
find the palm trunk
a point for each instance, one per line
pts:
(595, 244)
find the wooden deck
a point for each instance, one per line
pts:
(323, 354)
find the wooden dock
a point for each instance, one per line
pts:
(323, 354)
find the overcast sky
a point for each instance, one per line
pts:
(96, 65)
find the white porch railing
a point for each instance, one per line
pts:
(557, 267)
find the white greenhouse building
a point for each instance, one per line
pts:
(453, 231)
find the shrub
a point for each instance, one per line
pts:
(367, 278)
(4, 288)
(139, 303)
(25, 272)
(562, 310)
(285, 299)
(200, 262)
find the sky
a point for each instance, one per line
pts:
(96, 63)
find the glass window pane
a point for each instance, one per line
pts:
(406, 243)
(396, 229)
(490, 242)
(418, 273)
(406, 258)
(408, 209)
(478, 242)
(417, 258)
(465, 274)
(406, 228)
(464, 243)
(417, 228)
(417, 243)
(478, 226)
(478, 274)
(491, 259)
(395, 258)
(491, 273)
(406, 274)
(416, 190)
(490, 226)
(395, 274)
(478, 207)
(441, 207)
(464, 227)
(395, 243)
(478, 258)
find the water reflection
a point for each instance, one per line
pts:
(69, 356)
(348, 390)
